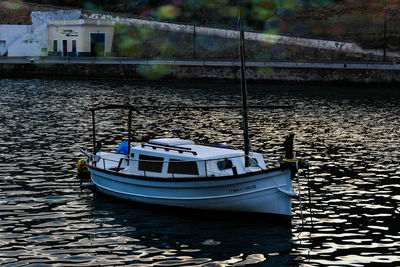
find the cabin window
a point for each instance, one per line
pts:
(176, 166)
(253, 162)
(150, 164)
(224, 164)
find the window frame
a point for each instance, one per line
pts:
(225, 164)
(193, 168)
(253, 162)
(150, 163)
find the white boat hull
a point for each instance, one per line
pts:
(259, 192)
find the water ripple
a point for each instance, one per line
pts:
(350, 136)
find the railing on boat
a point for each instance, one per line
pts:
(194, 168)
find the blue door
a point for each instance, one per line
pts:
(97, 44)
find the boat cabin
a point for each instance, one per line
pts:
(179, 158)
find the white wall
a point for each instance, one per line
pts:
(30, 40)
(31, 43)
(11, 33)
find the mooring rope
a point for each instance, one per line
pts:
(301, 203)
(307, 170)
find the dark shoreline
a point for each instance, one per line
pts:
(307, 73)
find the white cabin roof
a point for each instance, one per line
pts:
(171, 141)
(184, 149)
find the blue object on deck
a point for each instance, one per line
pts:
(123, 148)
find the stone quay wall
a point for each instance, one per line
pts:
(341, 73)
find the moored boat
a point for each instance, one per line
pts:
(176, 172)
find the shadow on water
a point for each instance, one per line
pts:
(195, 236)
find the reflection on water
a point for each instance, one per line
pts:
(349, 135)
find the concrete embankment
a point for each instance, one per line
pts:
(130, 69)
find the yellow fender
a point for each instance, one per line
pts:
(82, 166)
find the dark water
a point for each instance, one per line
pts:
(349, 135)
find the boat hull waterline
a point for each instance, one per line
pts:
(268, 191)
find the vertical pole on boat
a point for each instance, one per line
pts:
(244, 95)
(129, 133)
(94, 133)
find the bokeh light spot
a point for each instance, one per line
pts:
(154, 71)
(131, 47)
(168, 12)
(214, 3)
(146, 33)
(207, 42)
(92, 6)
(264, 72)
(230, 11)
(321, 3)
(261, 13)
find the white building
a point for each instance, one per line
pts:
(69, 34)
(80, 37)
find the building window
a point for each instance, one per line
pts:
(150, 164)
(55, 46)
(176, 166)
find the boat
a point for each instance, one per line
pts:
(183, 173)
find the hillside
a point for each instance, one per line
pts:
(345, 20)
(18, 12)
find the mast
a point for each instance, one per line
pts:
(94, 132)
(129, 133)
(244, 95)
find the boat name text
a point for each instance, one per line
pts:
(243, 188)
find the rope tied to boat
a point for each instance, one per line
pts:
(299, 192)
(304, 165)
